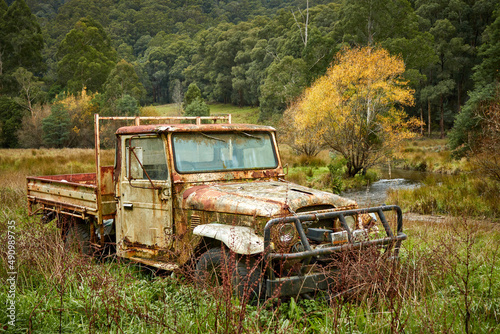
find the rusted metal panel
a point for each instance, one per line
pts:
(76, 191)
(62, 193)
(145, 213)
(159, 128)
(107, 184)
(259, 198)
(84, 179)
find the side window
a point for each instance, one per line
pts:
(146, 155)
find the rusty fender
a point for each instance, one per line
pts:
(239, 239)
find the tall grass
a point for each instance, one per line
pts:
(461, 195)
(446, 281)
(429, 155)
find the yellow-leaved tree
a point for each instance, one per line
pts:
(71, 121)
(356, 107)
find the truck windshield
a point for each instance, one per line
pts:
(222, 151)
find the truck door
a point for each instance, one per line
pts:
(145, 201)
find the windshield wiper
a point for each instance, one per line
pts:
(211, 137)
(249, 135)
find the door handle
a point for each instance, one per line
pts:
(128, 206)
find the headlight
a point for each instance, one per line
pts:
(286, 233)
(284, 236)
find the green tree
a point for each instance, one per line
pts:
(456, 28)
(11, 115)
(30, 88)
(23, 38)
(56, 127)
(193, 93)
(123, 80)
(3, 34)
(197, 107)
(285, 81)
(127, 105)
(21, 43)
(468, 126)
(86, 57)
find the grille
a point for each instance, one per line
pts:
(195, 221)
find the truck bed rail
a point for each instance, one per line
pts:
(73, 194)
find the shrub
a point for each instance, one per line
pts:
(197, 108)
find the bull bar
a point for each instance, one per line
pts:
(309, 282)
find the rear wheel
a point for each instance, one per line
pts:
(78, 239)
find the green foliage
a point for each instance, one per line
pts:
(86, 57)
(193, 93)
(30, 88)
(250, 53)
(123, 80)
(467, 127)
(21, 40)
(55, 127)
(285, 81)
(197, 107)
(11, 114)
(457, 196)
(337, 170)
(127, 106)
(21, 44)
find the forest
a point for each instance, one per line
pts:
(61, 61)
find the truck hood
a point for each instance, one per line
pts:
(262, 198)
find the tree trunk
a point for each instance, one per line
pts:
(459, 98)
(421, 121)
(441, 121)
(429, 117)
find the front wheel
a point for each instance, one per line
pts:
(246, 279)
(214, 268)
(211, 268)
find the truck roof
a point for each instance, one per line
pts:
(158, 128)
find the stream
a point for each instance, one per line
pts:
(375, 194)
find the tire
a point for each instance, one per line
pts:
(214, 266)
(78, 239)
(246, 279)
(209, 270)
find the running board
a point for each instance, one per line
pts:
(156, 264)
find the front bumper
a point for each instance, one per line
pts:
(309, 281)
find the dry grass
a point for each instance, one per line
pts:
(429, 155)
(16, 164)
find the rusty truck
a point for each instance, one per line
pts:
(208, 192)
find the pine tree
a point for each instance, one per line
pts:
(56, 127)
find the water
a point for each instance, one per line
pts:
(376, 193)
